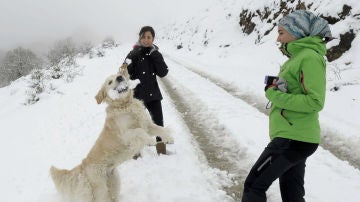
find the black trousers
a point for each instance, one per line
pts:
(284, 159)
(155, 110)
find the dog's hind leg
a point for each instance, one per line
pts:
(98, 182)
(114, 184)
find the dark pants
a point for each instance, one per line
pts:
(155, 110)
(283, 159)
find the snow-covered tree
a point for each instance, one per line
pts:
(17, 63)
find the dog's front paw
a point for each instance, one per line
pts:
(151, 141)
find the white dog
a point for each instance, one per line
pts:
(128, 128)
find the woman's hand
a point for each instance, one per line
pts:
(281, 85)
(278, 84)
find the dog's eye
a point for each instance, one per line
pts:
(110, 82)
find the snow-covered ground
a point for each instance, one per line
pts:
(213, 102)
(61, 128)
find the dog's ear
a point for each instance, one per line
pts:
(100, 96)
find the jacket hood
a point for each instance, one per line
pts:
(313, 42)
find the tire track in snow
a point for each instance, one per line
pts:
(210, 135)
(339, 145)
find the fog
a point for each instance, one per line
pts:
(37, 24)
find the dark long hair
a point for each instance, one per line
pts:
(147, 29)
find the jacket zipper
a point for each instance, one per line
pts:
(302, 81)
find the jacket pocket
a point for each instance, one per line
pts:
(282, 113)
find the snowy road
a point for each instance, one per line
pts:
(334, 141)
(210, 135)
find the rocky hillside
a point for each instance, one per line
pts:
(269, 15)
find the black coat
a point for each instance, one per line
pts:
(147, 63)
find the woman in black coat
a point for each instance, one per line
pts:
(147, 63)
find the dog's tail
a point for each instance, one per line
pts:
(57, 173)
(71, 183)
(63, 177)
(58, 176)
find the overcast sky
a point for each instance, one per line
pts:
(34, 23)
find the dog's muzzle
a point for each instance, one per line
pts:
(121, 90)
(123, 86)
(119, 79)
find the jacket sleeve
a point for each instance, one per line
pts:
(313, 82)
(161, 69)
(132, 66)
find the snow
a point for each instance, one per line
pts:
(214, 105)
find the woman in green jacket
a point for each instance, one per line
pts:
(296, 96)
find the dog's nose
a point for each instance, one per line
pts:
(119, 79)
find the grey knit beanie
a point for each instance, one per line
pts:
(302, 23)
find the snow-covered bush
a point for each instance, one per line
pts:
(36, 86)
(62, 49)
(109, 42)
(85, 48)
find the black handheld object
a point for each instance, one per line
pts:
(270, 79)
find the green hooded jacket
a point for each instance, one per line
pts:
(294, 115)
